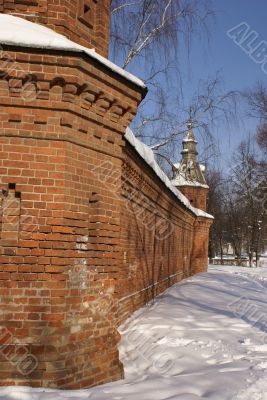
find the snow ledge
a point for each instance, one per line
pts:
(16, 31)
(181, 181)
(148, 156)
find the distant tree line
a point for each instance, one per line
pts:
(238, 199)
(152, 39)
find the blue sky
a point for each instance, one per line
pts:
(220, 55)
(237, 69)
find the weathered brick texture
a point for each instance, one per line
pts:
(61, 127)
(197, 196)
(88, 233)
(200, 245)
(162, 242)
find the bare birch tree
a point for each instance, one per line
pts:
(153, 38)
(257, 101)
(262, 137)
(149, 29)
(248, 193)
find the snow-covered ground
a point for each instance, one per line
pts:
(205, 338)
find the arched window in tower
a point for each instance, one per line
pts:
(87, 9)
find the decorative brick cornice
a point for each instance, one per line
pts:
(66, 98)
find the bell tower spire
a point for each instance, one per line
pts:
(188, 175)
(189, 151)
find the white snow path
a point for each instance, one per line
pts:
(205, 338)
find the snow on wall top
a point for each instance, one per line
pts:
(180, 180)
(20, 32)
(148, 156)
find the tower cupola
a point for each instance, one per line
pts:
(188, 175)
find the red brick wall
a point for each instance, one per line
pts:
(88, 233)
(62, 120)
(83, 21)
(196, 195)
(199, 260)
(157, 237)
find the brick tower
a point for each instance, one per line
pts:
(64, 111)
(188, 175)
(84, 21)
